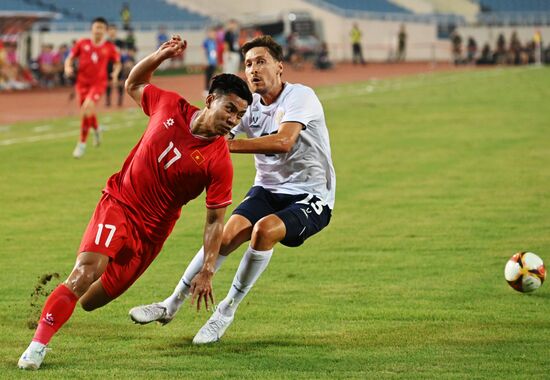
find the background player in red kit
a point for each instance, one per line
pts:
(182, 152)
(93, 54)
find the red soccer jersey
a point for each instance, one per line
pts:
(169, 166)
(93, 60)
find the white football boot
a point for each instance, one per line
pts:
(79, 150)
(33, 356)
(213, 329)
(150, 313)
(97, 135)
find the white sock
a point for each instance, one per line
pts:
(251, 267)
(36, 346)
(181, 292)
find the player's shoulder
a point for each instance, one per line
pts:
(294, 90)
(296, 93)
(163, 93)
(84, 41)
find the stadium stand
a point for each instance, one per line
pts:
(465, 8)
(514, 12)
(514, 5)
(84, 10)
(21, 6)
(378, 6)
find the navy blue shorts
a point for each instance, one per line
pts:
(303, 215)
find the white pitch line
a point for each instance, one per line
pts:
(419, 80)
(42, 128)
(51, 136)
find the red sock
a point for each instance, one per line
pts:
(84, 128)
(57, 310)
(93, 121)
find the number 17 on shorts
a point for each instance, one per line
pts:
(107, 231)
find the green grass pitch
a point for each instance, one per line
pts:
(440, 178)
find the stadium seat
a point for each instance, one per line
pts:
(379, 6)
(84, 10)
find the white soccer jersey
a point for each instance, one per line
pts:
(307, 168)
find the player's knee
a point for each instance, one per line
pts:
(227, 245)
(265, 233)
(81, 279)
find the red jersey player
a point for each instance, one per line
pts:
(93, 54)
(182, 152)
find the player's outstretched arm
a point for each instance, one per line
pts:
(69, 70)
(117, 66)
(141, 73)
(280, 142)
(201, 285)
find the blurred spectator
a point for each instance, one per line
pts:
(72, 79)
(4, 71)
(514, 52)
(528, 53)
(48, 63)
(456, 47)
(294, 55)
(126, 17)
(471, 50)
(220, 43)
(62, 54)
(248, 34)
(130, 41)
(210, 49)
(112, 36)
(162, 36)
(486, 57)
(11, 53)
(323, 62)
(232, 55)
(12, 74)
(401, 43)
(500, 53)
(537, 42)
(357, 50)
(546, 55)
(128, 61)
(3, 62)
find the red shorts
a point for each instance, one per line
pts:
(93, 91)
(112, 233)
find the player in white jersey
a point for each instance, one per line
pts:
(293, 193)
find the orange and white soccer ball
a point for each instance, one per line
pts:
(525, 272)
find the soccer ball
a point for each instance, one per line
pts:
(525, 272)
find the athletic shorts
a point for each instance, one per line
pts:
(303, 215)
(94, 92)
(112, 233)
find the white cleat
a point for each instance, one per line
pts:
(150, 313)
(33, 356)
(79, 150)
(213, 329)
(97, 136)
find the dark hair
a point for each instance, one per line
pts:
(225, 84)
(101, 20)
(275, 50)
